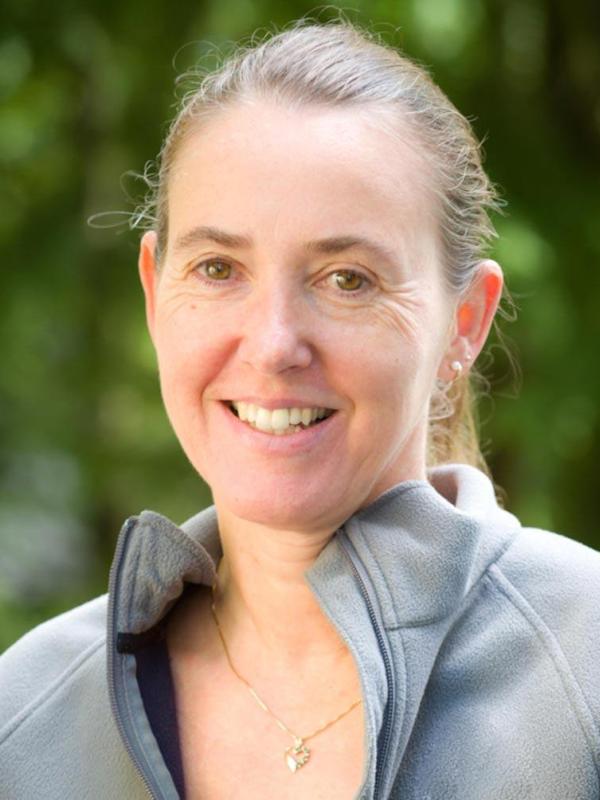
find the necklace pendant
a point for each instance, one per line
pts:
(297, 755)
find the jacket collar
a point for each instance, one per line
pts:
(424, 545)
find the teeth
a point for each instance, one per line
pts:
(263, 419)
(278, 420)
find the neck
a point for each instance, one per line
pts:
(261, 593)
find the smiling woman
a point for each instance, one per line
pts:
(317, 292)
(310, 314)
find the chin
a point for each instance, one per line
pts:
(281, 509)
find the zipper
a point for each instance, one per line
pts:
(114, 583)
(384, 647)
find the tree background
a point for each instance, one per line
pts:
(86, 90)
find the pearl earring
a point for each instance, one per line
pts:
(457, 367)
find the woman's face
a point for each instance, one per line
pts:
(302, 271)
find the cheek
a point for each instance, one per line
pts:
(395, 368)
(398, 345)
(396, 381)
(189, 351)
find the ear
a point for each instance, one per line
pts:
(149, 275)
(473, 318)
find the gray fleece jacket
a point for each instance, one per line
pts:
(477, 643)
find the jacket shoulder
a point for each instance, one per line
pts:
(557, 574)
(554, 582)
(46, 656)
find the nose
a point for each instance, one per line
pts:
(275, 332)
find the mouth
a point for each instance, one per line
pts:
(278, 421)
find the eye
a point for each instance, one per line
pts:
(214, 270)
(348, 280)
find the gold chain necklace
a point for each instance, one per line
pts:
(296, 755)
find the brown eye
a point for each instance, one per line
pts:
(348, 281)
(216, 270)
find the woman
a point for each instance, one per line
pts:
(355, 616)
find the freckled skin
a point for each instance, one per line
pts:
(279, 325)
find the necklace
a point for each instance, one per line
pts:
(298, 754)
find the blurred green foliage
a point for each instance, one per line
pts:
(86, 89)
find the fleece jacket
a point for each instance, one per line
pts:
(476, 641)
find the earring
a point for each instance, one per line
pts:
(458, 368)
(441, 404)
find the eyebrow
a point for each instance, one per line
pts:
(328, 246)
(203, 233)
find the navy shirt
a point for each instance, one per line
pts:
(158, 694)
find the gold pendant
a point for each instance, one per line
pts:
(297, 755)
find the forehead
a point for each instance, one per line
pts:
(303, 172)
